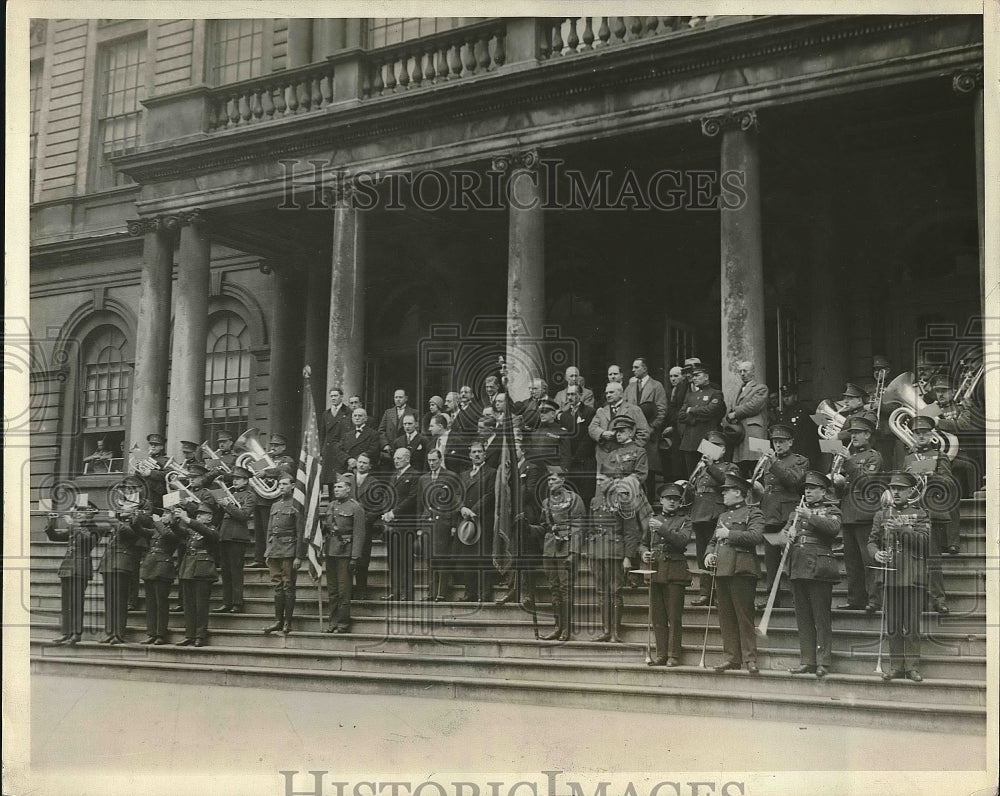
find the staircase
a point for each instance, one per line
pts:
(488, 652)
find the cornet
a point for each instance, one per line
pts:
(760, 470)
(208, 453)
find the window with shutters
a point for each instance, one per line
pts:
(227, 375)
(106, 391)
(121, 84)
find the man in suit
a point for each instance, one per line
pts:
(490, 440)
(703, 408)
(438, 496)
(573, 379)
(748, 411)
(538, 391)
(392, 423)
(576, 420)
(453, 457)
(400, 527)
(478, 485)
(615, 375)
(491, 388)
(417, 444)
(648, 394)
(671, 459)
(600, 426)
(368, 489)
(330, 424)
(356, 439)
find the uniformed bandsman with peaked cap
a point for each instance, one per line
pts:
(75, 570)
(858, 505)
(158, 573)
(286, 547)
(344, 541)
(197, 572)
(234, 536)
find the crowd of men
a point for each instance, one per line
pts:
(624, 486)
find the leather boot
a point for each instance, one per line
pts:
(558, 616)
(618, 612)
(279, 613)
(660, 634)
(567, 619)
(289, 610)
(606, 623)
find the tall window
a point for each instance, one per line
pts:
(120, 118)
(237, 49)
(392, 30)
(106, 385)
(227, 375)
(35, 103)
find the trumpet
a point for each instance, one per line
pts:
(229, 495)
(208, 453)
(760, 470)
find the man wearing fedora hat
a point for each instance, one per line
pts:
(899, 541)
(858, 505)
(343, 544)
(811, 529)
(234, 536)
(478, 490)
(732, 554)
(663, 547)
(781, 483)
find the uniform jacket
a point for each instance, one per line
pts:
(417, 447)
(549, 444)
(80, 539)
(235, 518)
(701, 413)
(602, 422)
(861, 498)
(201, 544)
(605, 531)
(344, 531)
(811, 555)
(707, 505)
(630, 459)
(391, 424)
(563, 521)
(781, 483)
(652, 402)
(581, 446)
(910, 546)
(737, 554)
(158, 562)
(285, 531)
(156, 482)
(806, 440)
(121, 553)
(940, 483)
(750, 408)
(667, 538)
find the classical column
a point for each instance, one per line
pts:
(328, 37)
(286, 354)
(742, 276)
(187, 356)
(525, 269)
(346, 338)
(317, 320)
(152, 343)
(970, 82)
(300, 36)
(828, 328)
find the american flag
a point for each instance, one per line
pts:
(307, 485)
(508, 502)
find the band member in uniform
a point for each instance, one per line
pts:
(940, 501)
(705, 510)
(733, 555)
(156, 480)
(703, 409)
(562, 521)
(197, 571)
(224, 451)
(663, 547)
(234, 536)
(344, 540)
(605, 549)
(965, 421)
(857, 508)
(283, 464)
(75, 569)
(813, 571)
(792, 414)
(629, 458)
(899, 541)
(400, 527)
(116, 566)
(781, 483)
(286, 547)
(158, 574)
(189, 451)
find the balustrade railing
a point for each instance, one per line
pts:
(571, 35)
(446, 56)
(279, 95)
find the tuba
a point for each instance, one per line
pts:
(903, 391)
(266, 488)
(834, 419)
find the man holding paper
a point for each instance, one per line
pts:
(706, 482)
(75, 570)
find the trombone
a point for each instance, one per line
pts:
(765, 619)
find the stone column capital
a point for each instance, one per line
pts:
(516, 159)
(967, 81)
(164, 223)
(744, 119)
(340, 192)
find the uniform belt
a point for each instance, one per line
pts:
(807, 539)
(344, 537)
(559, 537)
(283, 534)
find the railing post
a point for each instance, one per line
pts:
(180, 115)
(524, 39)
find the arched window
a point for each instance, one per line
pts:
(227, 375)
(105, 392)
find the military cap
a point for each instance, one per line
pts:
(691, 361)
(156, 439)
(555, 469)
(940, 381)
(187, 445)
(789, 388)
(879, 362)
(923, 423)
(715, 438)
(870, 416)
(549, 405)
(699, 368)
(278, 439)
(224, 436)
(197, 469)
(734, 481)
(781, 431)
(670, 489)
(622, 422)
(852, 390)
(345, 479)
(204, 508)
(859, 423)
(242, 472)
(903, 479)
(816, 478)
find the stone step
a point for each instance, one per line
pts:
(442, 664)
(734, 695)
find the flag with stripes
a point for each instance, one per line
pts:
(508, 501)
(307, 480)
